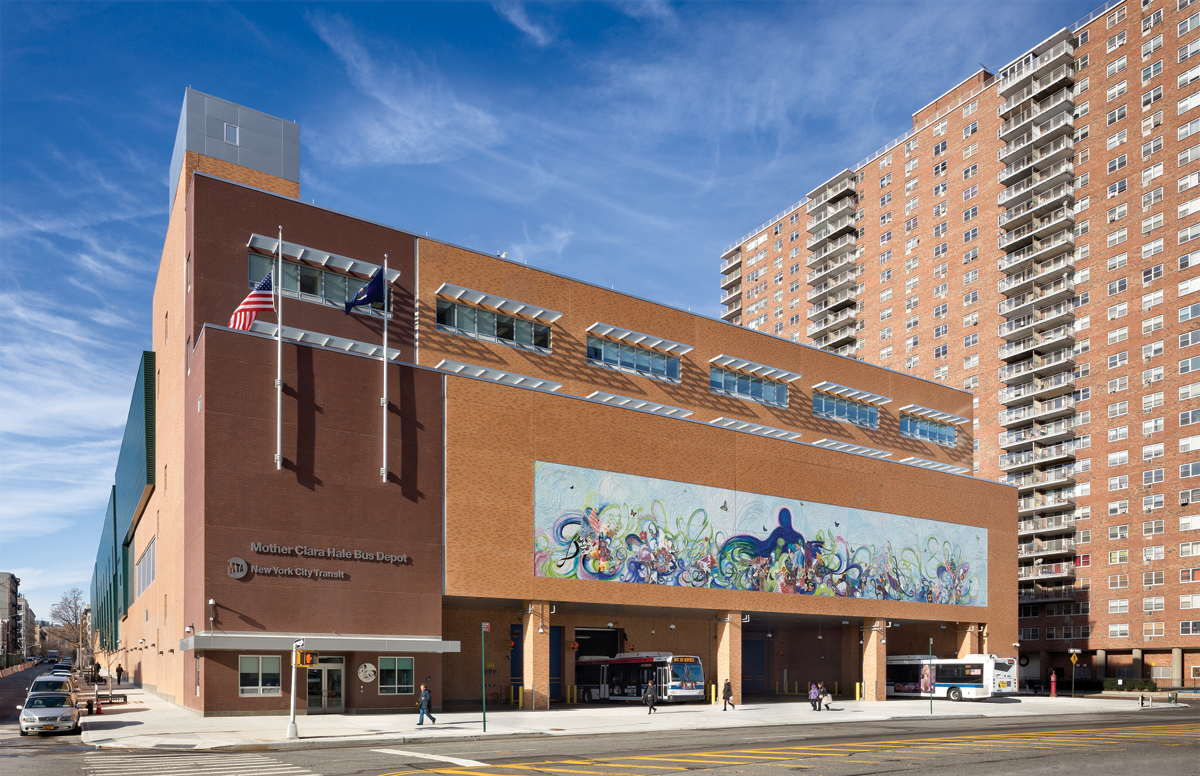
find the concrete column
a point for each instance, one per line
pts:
(968, 638)
(874, 660)
(536, 654)
(729, 653)
(1100, 663)
(1177, 667)
(1044, 663)
(1137, 664)
(851, 660)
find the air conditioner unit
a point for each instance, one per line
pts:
(1185, 497)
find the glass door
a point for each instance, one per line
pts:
(333, 689)
(316, 694)
(325, 686)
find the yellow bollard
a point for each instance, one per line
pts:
(521, 697)
(777, 688)
(858, 691)
(835, 689)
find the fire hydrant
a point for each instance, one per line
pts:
(1053, 685)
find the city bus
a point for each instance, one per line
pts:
(624, 677)
(973, 677)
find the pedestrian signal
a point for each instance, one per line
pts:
(306, 659)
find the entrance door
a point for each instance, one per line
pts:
(325, 686)
(664, 682)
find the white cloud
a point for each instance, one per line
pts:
(410, 116)
(516, 14)
(551, 240)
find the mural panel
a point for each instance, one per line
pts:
(597, 525)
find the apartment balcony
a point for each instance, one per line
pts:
(1016, 101)
(1044, 502)
(1045, 248)
(838, 341)
(1022, 211)
(834, 285)
(1059, 476)
(818, 328)
(732, 310)
(729, 296)
(849, 350)
(1024, 281)
(1047, 155)
(839, 186)
(833, 303)
(831, 231)
(1039, 593)
(1021, 305)
(1046, 571)
(730, 279)
(732, 263)
(1038, 456)
(832, 249)
(1039, 319)
(1059, 360)
(1060, 77)
(1062, 54)
(829, 268)
(834, 209)
(1046, 548)
(1042, 411)
(1047, 433)
(1046, 525)
(1044, 388)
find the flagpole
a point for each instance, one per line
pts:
(383, 471)
(279, 360)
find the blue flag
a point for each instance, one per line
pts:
(371, 293)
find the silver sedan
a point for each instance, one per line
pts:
(49, 712)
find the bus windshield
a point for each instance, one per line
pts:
(687, 672)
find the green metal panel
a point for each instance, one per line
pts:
(135, 462)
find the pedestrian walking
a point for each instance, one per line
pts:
(826, 698)
(426, 703)
(727, 696)
(649, 697)
(119, 672)
(814, 696)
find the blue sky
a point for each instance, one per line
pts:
(626, 144)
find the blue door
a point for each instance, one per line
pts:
(556, 662)
(516, 657)
(754, 665)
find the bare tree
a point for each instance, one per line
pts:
(70, 613)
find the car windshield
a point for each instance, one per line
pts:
(48, 702)
(50, 685)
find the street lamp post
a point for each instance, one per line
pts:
(292, 733)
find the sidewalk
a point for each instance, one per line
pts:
(149, 722)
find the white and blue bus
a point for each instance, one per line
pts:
(973, 677)
(625, 676)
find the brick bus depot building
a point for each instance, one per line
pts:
(584, 471)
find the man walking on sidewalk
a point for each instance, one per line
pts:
(119, 672)
(426, 706)
(650, 698)
(727, 696)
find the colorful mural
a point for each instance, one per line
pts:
(598, 525)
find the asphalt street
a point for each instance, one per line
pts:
(1164, 743)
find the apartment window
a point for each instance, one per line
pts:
(1153, 426)
(1152, 476)
(1148, 73)
(1115, 42)
(1119, 458)
(1118, 164)
(1118, 385)
(1118, 311)
(1151, 503)
(1152, 147)
(1116, 91)
(1118, 631)
(1152, 324)
(971, 383)
(1118, 433)
(396, 676)
(1117, 557)
(1117, 237)
(259, 675)
(1152, 45)
(970, 151)
(1152, 96)
(632, 360)
(1118, 606)
(1150, 452)
(845, 411)
(970, 341)
(1186, 550)
(1153, 578)
(1118, 483)
(1116, 115)
(970, 362)
(1153, 197)
(1152, 249)
(1118, 335)
(1118, 581)
(747, 387)
(1188, 24)
(885, 180)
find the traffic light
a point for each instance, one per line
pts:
(306, 659)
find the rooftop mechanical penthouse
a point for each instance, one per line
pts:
(585, 472)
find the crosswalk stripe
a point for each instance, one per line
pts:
(438, 757)
(188, 764)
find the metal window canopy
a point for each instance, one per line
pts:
(846, 447)
(496, 303)
(321, 642)
(267, 246)
(754, 428)
(734, 364)
(851, 393)
(639, 404)
(934, 465)
(495, 375)
(926, 412)
(324, 340)
(617, 334)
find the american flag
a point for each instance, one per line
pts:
(259, 299)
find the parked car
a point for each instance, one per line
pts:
(59, 669)
(52, 683)
(49, 712)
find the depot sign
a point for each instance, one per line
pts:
(301, 551)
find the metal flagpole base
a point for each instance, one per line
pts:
(292, 733)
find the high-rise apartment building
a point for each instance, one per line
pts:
(964, 251)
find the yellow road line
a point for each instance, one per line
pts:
(686, 760)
